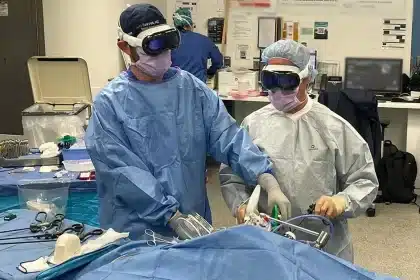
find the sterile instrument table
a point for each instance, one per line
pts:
(83, 202)
(403, 131)
(12, 255)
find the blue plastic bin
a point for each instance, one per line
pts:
(75, 154)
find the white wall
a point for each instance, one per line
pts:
(352, 32)
(87, 29)
(206, 9)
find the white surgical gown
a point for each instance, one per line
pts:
(149, 141)
(314, 152)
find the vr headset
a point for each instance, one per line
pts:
(153, 41)
(282, 77)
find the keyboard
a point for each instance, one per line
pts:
(384, 98)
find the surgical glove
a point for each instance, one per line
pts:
(240, 214)
(189, 226)
(331, 206)
(275, 195)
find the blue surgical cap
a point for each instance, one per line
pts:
(297, 53)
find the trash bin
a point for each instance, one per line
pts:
(62, 97)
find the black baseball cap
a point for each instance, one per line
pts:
(139, 17)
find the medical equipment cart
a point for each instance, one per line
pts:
(62, 97)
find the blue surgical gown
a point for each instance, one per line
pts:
(148, 142)
(193, 53)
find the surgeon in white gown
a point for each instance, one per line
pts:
(318, 157)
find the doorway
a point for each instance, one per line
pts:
(22, 36)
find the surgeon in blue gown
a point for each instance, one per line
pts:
(151, 129)
(195, 49)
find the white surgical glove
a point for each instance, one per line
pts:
(331, 206)
(275, 195)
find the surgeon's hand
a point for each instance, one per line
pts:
(189, 226)
(275, 195)
(331, 206)
(240, 214)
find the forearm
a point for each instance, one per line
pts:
(139, 190)
(236, 149)
(234, 190)
(362, 188)
(359, 196)
(356, 172)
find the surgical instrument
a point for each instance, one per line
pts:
(322, 237)
(311, 209)
(28, 242)
(76, 228)
(275, 213)
(155, 239)
(86, 236)
(9, 217)
(283, 223)
(42, 224)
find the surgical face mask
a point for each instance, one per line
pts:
(284, 101)
(153, 66)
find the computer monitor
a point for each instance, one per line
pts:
(380, 75)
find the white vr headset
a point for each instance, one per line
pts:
(285, 77)
(154, 40)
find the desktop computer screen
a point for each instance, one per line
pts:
(380, 75)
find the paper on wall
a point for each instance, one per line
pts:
(4, 9)
(291, 30)
(321, 30)
(394, 33)
(241, 25)
(306, 31)
(306, 3)
(390, 8)
(220, 7)
(382, 7)
(266, 32)
(242, 51)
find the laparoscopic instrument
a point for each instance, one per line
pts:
(274, 224)
(51, 231)
(7, 217)
(156, 239)
(41, 223)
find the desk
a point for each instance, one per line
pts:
(404, 130)
(82, 205)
